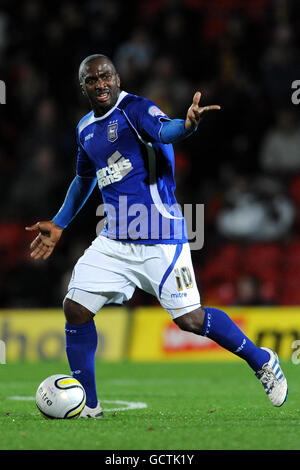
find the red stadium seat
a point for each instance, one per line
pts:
(230, 252)
(220, 273)
(222, 265)
(10, 243)
(290, 292)
(263, 253)
(270, 290)
(292, 252)
(263, 260)
(220, 294)
(294, 190)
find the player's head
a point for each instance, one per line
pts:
(99, 82)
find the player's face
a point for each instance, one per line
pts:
(101, 84)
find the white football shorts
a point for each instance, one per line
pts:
(110, 270)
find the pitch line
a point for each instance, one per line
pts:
(127, 405)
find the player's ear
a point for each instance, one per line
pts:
(118, 80)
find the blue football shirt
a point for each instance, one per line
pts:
(134, 169)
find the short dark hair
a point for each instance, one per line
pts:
(90, 58)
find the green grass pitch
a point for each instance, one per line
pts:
(204, 406)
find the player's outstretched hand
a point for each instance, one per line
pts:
(195, 111)
(44, 243)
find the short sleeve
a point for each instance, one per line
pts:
(84, 166)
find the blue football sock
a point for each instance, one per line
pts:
(81, 345)
(221, 329)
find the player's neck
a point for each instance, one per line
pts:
(101, 112)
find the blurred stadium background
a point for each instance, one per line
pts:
(243, 164)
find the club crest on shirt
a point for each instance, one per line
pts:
(112, 131)
(155, 111)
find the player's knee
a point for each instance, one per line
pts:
(75, 313)
(192, 321)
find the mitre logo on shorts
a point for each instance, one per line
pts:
(117, 167)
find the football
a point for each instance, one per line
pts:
(60, 396)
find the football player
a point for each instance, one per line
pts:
(125, 145)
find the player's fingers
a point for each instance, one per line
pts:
(48, 250)
(44, 228)
(196, 98)
(40, 252)
(210, 108)
(35, 242)
(37, 253)
(48, 253)
(196, 114)
(40, 240)
(39, 248)
(33, 227)
(194, 111)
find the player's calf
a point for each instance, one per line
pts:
(216, 325)
(192, 321)
(75, 313)
(81, 345)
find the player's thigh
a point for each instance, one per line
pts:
(171, 273)
(99, 277)
(80, 304)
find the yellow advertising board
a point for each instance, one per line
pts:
(155, 337)
(274, 327)
(39, 334)
(145, 334)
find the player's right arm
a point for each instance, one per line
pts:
(79, 191)
(51, 230)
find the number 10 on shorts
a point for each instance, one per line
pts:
(183, 277)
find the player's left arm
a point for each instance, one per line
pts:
(176, 130)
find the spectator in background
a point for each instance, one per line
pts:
(280, 152)
(248, 292)
(36, 183)
(3, 32)
(29, 84)
(133, 58)
(6, 175)
(280, 65)
(164, 83)
(44, 129)
(257, 210)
